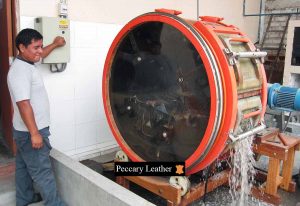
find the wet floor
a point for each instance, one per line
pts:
(218, 197)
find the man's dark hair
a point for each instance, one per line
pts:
(26, 36)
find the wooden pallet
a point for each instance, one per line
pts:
(279, 148)
(161, 187)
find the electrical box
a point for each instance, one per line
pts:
(50, 27)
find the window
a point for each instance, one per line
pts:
(296, 48)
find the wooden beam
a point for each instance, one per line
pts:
(159, 186)
(271, 150)
(287, 169)
(272, 178)
(198, 191)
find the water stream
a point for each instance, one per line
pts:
(242, 171)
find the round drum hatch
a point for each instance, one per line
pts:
(164, 91)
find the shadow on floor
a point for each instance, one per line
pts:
(6, 156)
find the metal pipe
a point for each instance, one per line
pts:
(262, 23)
(275, 14)
(197, 10)
(259, 21)
(248, 133)
(249, 54)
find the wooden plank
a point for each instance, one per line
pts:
(273, 173)
(159, 186)
(108, 166)
(290, 141)
(278, 180)
(292, 187)
(262, 177)
(297, 147)
(287, 169)
(169, 203)
(198, 191)
(271, 150)
(122, 181)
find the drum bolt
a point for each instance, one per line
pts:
(128, 108)
(180, 80)
(164, 134)
(274, 154)
(139, 59)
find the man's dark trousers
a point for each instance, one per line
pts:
(34, 165)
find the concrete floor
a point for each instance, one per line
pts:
(219, 197)
(7, 177)
(7, 191)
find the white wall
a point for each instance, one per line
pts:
(116, 11)
(78, 123)
(232, 11)
(122, 11)
(79, 126)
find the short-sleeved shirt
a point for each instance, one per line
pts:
(26, 83)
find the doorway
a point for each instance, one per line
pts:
(7, 52)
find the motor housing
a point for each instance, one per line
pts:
(283, 97)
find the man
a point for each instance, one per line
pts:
(31, 120)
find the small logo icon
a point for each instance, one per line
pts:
(179, 169)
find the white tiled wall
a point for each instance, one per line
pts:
(78, 124)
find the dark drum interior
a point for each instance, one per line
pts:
(159, 93)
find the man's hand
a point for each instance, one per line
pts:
(36, 141)
(59, 41)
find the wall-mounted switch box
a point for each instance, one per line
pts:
(50, 27)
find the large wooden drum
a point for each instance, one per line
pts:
(181, 90)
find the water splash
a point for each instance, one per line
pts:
(242, 172)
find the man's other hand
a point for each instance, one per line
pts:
(59, 41)
(36, 141)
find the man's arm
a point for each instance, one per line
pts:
(27, 115)
(57, 42)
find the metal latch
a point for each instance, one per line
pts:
(244, 135)
(169, 11)
(234, 56)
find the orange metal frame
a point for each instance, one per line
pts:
(208, 30)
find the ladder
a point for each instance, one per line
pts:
(277, 48)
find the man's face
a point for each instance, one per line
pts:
(33, 51)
